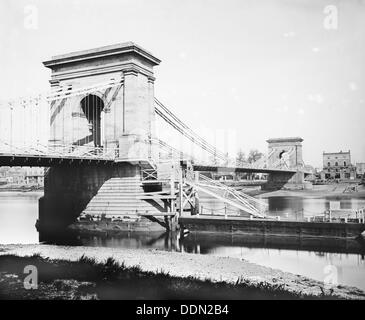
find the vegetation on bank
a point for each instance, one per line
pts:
(88, 279)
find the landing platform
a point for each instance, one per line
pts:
(240, 225)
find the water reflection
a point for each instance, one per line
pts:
(308, 257)
(208, 242)
(291, 207)
(298, 208)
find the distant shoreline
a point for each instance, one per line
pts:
(318, 191)
(21, 189)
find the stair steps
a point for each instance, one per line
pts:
(119, 196)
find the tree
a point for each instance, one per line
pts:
(213, 160)
(254, 156)
(227, 162)
(241, 158)
(240, 162)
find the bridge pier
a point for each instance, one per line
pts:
(68, 190)
(286, 180)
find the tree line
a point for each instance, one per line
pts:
(253, 156)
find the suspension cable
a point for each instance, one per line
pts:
(190, 131)
(177, 124)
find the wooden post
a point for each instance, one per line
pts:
(172, 189)
(196, 177)
(172, 181)
(181, 209)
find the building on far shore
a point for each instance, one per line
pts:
(337, 165)
(34, 176)
(12, 175)
(21, 176)
(360, 169)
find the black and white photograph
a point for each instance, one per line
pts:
(169, 150)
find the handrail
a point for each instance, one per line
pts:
(232, 190)
(237, 199)
(239, 205)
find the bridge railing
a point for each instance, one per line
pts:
(59, 151)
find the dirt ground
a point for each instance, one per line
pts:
(185, 265)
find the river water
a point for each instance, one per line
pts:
(340, 261)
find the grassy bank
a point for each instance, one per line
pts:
(88, 279)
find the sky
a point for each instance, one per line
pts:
(251, 70)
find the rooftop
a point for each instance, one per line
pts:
(341, 152)
(289, 139)
(115, 49)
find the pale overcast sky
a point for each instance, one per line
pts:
(259, 69)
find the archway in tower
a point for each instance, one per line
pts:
(92, 106)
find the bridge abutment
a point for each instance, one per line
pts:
(68, 190)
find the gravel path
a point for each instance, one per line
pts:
(185, 265)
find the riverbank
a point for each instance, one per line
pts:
(174, 274)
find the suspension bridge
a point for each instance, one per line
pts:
(95, 132)
(22, 132)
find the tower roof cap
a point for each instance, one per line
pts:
(100, 52)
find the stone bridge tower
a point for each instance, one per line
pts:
(286, 153)
(88, 112)
(119, 116)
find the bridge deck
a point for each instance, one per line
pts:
(11, 160)
(30, 160)
(221, 169)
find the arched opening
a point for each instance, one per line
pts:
(281, 154)
(92, 106)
